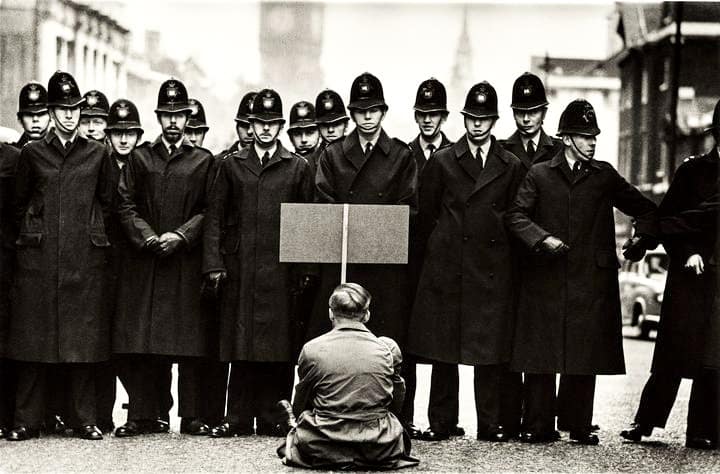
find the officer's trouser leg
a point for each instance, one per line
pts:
(30, 396)
(657, 399)
(539, 412)
(8, 387)
(443, 403)
(575, 402)
(511, 399)
(191, 387)
(216, 385)
(240, 395)
(81, 395)
(274, 383)
(488, 382)
(163, 373)
(138, 374)
(105, 392)
(409, 374)
(56, 403)
(702, 419)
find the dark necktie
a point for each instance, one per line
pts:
(478, 158)
(173, 149)
(368, 149)
(264, 160)
(530, 149)
(577, 168)
(67, 146)
(431, 149)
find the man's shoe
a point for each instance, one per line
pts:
(128, 430)
(457, 430)
(531, 438)
(89, 432)
(194, 427)
(56, 425)
(696, 442)
(157, 426)
(22, 433)
(497, 435)
(432, 435)
(586, 438)
(228, 430)
(635, 432)
(413, 431)
(4, 432)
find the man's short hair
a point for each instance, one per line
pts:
(350, 301)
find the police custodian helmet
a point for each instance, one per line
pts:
(197, 116)
(329, 107)
(33, 99)
(578, 118)
(528, 93)
(366, 92)
(63, 91)
(267, 107)
(96, 105)
(172, 97)
(123, 115)
(245, 107)
(431, 97)
(302, 115)
(481, 101)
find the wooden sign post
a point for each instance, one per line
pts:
(344, 233)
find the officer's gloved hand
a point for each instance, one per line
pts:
(152, 244)
(695, 263)
(169, 243)
(634, 249)
(553, 246)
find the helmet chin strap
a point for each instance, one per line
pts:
(587, 158)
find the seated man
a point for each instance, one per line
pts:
(349, 391)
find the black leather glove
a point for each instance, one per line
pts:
(153, 244)
(634, 249)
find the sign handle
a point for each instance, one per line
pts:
(344, 257)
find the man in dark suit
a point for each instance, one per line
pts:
(465, 292)
(569, 306)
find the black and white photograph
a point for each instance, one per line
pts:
(365, 235)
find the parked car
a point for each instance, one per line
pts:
(641, 290)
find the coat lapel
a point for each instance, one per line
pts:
(250, 160)
(281, 153)
(560, 163)
(352, 151)
(545, 148)
(462, 154)
(588, 168)
(495, 165)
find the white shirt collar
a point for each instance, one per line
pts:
(373, 141)
(436, 143)
(484, 148)
(261, 151)
(71, 139)
(535, 140)
(167, 144)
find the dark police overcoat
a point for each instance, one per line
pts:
(242, 238)
(569, 306)
(688, 325)
(8, 163)
(387, 176)
(464, 301)
(58, 300)
(159, 308)
(419, 155)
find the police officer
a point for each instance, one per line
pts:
(368, 167)
(160, 317)
(32, 113)
(430, 115)
(242, 235)
(59, 315)
(569, 306)
(93, 116)
(686, 345)
(197, 126)
(331, 116)
(466, 285)
(242, 126)
(303, 132)
(532, 145)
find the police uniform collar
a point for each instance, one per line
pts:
(52, 133)
(272, 150)
(437, 143)
(350, 326)
(559, 159)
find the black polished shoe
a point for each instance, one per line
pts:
(4, 432)
(635, 432)
(89, 432)
(433, 435)
(194, 427)
(413, 431)
(586, 438)
(228, 430)
(128, 430)
(695, 442)
(56, 425)
(22, 433)
(457, 430)
(157, 426)
(497, 435)
(529, 437)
